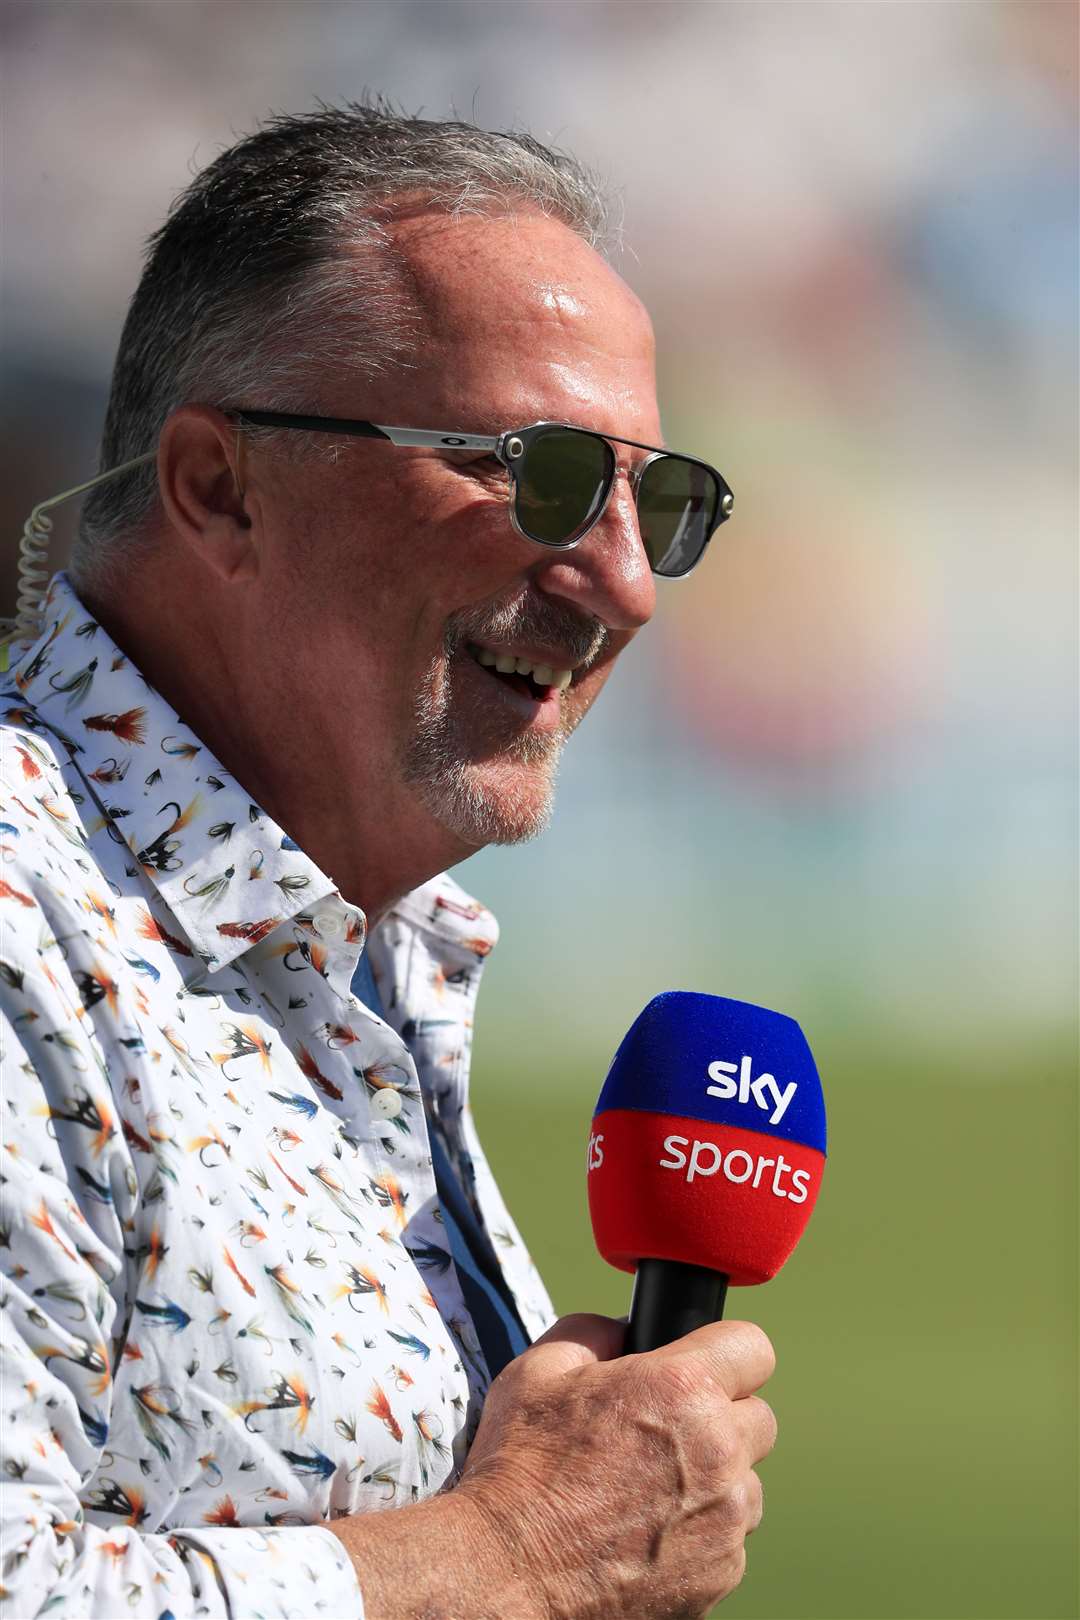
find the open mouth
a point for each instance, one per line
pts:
(535, 681)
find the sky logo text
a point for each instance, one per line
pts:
(764, 1091)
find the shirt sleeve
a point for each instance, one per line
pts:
(68, 1195)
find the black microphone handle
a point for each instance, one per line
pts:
(671, 1298)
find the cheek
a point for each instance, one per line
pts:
(463, 525)
(383, 564)
(471, 539)
(440, 550)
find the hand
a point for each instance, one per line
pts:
(624, 1487)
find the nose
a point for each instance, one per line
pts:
(607, 575)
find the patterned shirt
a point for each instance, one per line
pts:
(228, 1308)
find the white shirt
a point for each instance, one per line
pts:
(228, 1308)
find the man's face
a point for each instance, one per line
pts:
(400, 567)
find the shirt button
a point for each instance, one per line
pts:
(386, 1103)
(330, 924)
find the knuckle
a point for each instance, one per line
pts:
(767, 1423)
(735, 1568)
(732, 1507)
(755, 1503)
(756, 1345)
(676, 1382)
(726, 1449)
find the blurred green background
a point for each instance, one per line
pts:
(837, 775)
(925, 1386)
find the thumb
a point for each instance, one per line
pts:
(576, 1340)
(571, 1344)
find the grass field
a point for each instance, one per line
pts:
(925, 1328)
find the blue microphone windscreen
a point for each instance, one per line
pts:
(720, 1061)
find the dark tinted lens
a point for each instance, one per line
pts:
(677, 503)
(562, 481)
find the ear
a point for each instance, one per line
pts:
(201, 477)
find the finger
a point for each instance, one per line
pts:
(737, 1355)
(757, 1425)
(575, 1340)
(755, 1504)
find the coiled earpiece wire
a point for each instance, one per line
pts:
(34, 572)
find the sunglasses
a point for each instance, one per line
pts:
(561, 479)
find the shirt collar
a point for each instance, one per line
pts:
(441, 909)
(226, 870)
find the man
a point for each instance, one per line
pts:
(259, 1277)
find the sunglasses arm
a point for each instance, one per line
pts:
(434, 438)
(442, 441)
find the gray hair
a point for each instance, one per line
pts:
(264, 241)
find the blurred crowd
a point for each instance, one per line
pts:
(839, 773)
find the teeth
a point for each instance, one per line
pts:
(507, 664)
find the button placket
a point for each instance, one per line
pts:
(408, 1159)
(396, 1165)
(341, 930)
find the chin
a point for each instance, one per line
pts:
(475, 770)
(503, 802)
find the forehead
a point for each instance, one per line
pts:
(521, 319)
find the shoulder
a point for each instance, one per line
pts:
(49, 879)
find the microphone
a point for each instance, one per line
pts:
(705, 1157)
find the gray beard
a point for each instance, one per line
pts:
(455, 786)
